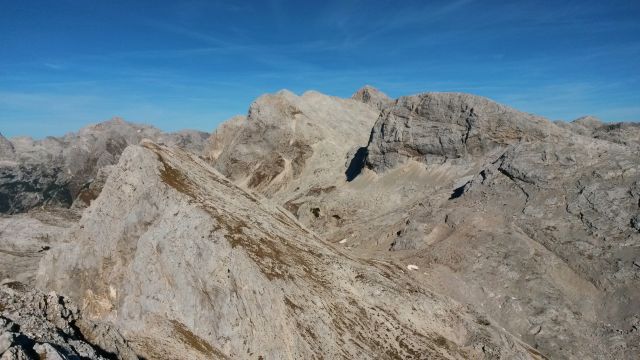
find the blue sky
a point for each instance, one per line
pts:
(193, 64)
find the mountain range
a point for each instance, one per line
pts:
(432, 226)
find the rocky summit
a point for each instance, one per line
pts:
(432, 226)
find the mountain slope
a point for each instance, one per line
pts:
(172, 250)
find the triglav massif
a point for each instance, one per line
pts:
(432, 226)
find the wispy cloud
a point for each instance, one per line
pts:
(53, 66)
(203, 37)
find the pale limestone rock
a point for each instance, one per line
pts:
(173, 250)
(435, 127)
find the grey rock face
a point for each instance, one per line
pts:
(635, 222)
(373, 97)
(34, 325)
(190, 140)
(554, 218)
(54, 171)
(436, 127)
(173, 253)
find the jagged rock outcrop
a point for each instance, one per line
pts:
(187, 264)
(373, 97)
(54, 171)
(34, 325)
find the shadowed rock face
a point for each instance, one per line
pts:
(7, 152)
(173, 250)
(54, 171)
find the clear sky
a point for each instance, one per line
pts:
(192, 64)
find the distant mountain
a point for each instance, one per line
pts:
(57, 171)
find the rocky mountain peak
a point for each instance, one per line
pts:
(290, 141)
(372, 96)
(588, 121)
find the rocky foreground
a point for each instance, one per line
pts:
(438, 225)
(34, 325)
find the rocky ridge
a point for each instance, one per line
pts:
(173, 246)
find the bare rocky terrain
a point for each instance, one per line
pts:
(438, 225)
(59, 171)
(35, 325)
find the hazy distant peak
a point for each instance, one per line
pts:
(7, 151)
(372, 96)
(588, 121)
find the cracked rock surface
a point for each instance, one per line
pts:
(35, 325)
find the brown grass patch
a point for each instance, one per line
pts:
(195, 342)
